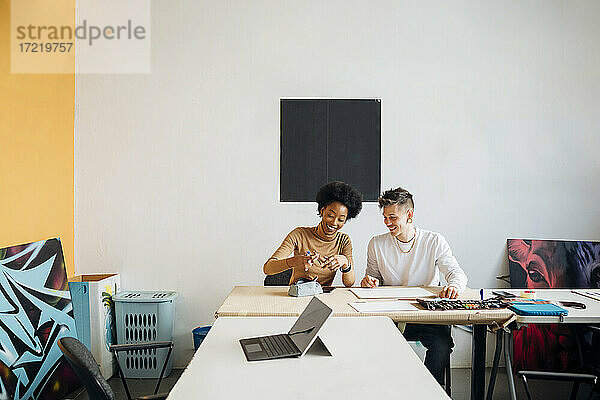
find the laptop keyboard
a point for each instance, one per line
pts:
(277, 345)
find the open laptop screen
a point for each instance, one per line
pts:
(309, 323)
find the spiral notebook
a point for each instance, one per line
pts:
(537, 309)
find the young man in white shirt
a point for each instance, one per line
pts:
(410, 256)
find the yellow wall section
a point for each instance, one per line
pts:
(36, 153)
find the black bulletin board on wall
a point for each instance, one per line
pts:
(325, 140)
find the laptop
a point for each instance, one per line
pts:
(294, 343)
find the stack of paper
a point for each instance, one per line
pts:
(383, 306)
(391, 293)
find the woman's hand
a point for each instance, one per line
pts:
(302, 262)
(335, 262)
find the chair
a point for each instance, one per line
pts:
(280, 279)
(85, 367)
(577, 380)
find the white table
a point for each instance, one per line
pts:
(371, 360)
(589, 315)
(258, 301)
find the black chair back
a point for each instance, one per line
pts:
(84, 365)
(280, 279)
(577, 380)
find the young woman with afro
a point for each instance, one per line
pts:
(320, 251)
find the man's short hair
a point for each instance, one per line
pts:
(398, 196)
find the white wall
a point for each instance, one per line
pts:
(489, 116)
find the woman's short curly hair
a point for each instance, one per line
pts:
(342, 192)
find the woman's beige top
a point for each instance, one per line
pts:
(304, 239)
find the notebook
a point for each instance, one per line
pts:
(537, 309)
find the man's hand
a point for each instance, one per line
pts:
(449, 291)
(369, 281)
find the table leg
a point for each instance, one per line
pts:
(497, 353)
(478, 363)
(508, 342)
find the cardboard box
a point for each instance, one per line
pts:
(94, 313)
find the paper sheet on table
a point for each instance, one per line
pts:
(588, 293)
(383, 306)
(391, 293)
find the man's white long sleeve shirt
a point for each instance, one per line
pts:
(390, 261)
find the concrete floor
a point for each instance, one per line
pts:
(137, 387)
(461, 386)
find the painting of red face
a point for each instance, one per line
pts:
(542, 264)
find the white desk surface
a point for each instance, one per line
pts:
(371, 360)
(591, 314)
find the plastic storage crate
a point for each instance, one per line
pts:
(144, 316)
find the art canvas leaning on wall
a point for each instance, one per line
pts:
(35, 311)
(543, 264)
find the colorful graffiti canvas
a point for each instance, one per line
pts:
(542, 264)
(35, 311)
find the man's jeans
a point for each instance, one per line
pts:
(438, 342)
